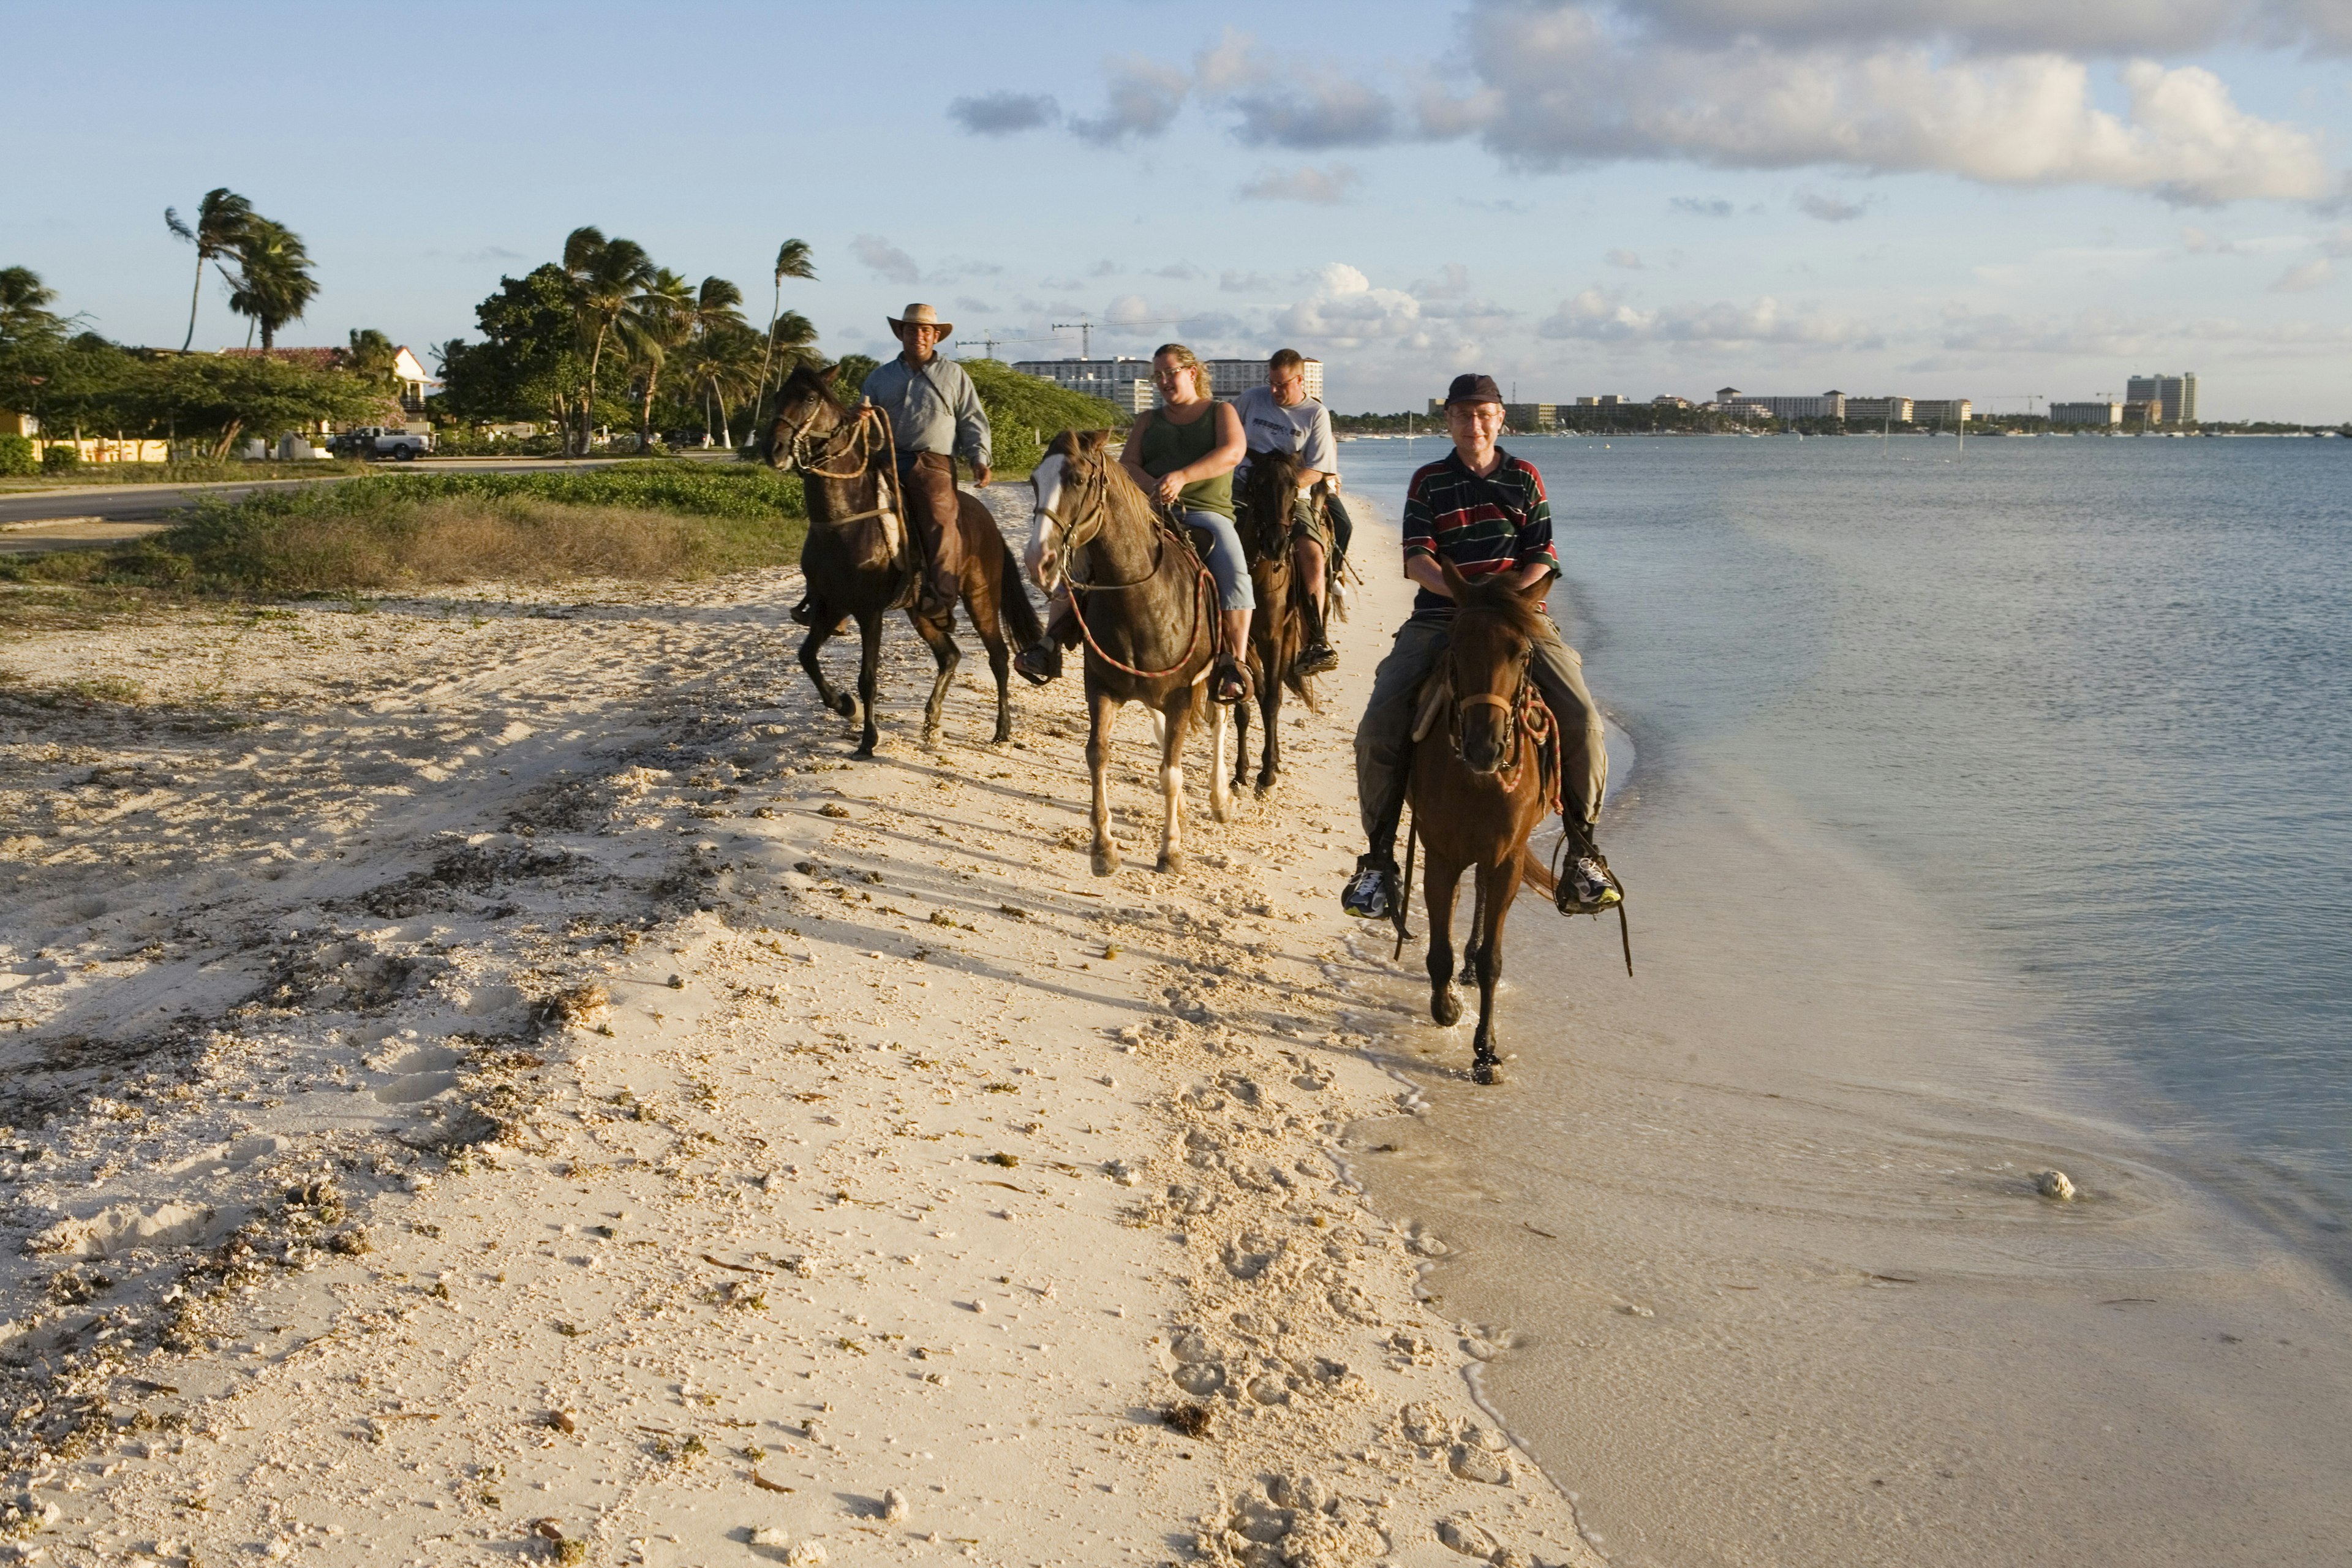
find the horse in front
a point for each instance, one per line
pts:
(1147, 614)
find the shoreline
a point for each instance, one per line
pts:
(502, 1067)
(1788, 1170)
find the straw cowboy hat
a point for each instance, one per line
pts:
(919, 316)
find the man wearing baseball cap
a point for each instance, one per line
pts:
(935, 414)
(1483, 512)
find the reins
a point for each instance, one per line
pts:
(1067, 553)
(868, 432)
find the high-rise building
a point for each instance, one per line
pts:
(1528, 418)
(2173, 398)
(1942, 410)
(1127, 381)
(1879, 410)
(1828, 406)
(2101, 413)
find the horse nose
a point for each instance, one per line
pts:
(1482, 745)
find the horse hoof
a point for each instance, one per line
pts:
(1106, 862)
(846, 705)
(864, 753)
(1445, 1007)
(1003, 733)
(1264, 782)
(1487, 1072)
(1172, 859)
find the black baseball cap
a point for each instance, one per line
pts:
(1469, 388)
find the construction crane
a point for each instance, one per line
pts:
(1086, 330)
(988, 340)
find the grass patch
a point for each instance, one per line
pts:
(389, 532)
(191, 473)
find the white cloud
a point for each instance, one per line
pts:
(2081, 26)
(1715, 207)
(1598, 315)
(1234, 282)
(1004, 113)
(2303, 279)
(2198, 242)
(2339, 244)
(2109, 334)
(1318, 187)
(1436, 321)
(1144, 97)
(1573, 90)
(886, 260)
(1828, 208)
(1631, 261)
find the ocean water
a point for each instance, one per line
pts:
(2090, 700)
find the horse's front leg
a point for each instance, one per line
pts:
(869, 676)
(945, 655)
(1269, 706)
(820, 632)
(1498, 885)
(1220, 789)
(1103, 708)
(1241, 738)
(1441, 879)
(1175, 724)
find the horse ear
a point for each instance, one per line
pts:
(1533, 593)
(1092, 441)
(1456, 583)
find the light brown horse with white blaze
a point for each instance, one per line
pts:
(1147, 612)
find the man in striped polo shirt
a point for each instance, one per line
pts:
(1482, 512)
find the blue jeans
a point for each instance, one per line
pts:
(1223, 558)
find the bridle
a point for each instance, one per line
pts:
(1522, 710)
(1068, 542)
(844, 452)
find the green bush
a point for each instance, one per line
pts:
(17, 457)
(641, 523)
(1025, 412)
(60, 459)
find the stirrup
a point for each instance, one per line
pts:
(1317, 660)
(1040, 662)
(1217, 673)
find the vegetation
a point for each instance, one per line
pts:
(387, 533)
(1024, 412)
(221, 220)
(688, 360)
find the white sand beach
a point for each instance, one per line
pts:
(490, 1080)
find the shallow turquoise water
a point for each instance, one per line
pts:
(2093, 698)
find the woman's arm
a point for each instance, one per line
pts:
(1130, 457)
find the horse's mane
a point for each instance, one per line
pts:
(816, 380)
(1519, 613)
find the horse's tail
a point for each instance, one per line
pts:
(1013, 603)
(1534, 871)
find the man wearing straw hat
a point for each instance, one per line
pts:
(935, 416)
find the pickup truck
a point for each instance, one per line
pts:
(384, 441)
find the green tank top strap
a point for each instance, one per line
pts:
(1168, 447)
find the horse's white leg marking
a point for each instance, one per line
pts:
(1106, 853)
(1159, 728)
(1172, 832)
(1220, 799)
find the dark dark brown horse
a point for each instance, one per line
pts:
(1278, 624)
(1147, 612)
(1482, 776)
(860, 559)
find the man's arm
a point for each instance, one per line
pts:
(973, 438)
(1315, 455)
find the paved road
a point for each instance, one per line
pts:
(89, 504)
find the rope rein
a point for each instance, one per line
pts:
(1067, 553)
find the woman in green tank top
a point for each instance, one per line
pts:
(1183, 455)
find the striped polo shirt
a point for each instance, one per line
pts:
(1480, 525)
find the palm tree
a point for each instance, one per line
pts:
(794, 259)
(24, 313)
(607, 277)
(221, 220)
(273, 285)
(371, 357)
(662, 320)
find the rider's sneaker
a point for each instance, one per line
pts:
(1587, 887)
(1317, 659)
(1371, 892)
(1040, 662)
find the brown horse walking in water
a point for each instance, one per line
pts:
(1479, 788)
(1277, 626)
(860, 559)
(1147, 613)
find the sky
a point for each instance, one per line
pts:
(2007, 200)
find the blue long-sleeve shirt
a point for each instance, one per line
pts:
(933, 407)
